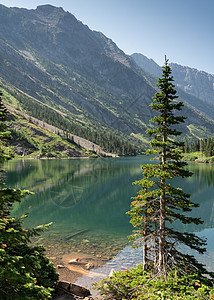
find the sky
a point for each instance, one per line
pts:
(183, 30)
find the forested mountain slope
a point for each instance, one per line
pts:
(57, 70)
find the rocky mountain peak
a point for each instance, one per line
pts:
(49, 14)
(148, 65)
(48, 8)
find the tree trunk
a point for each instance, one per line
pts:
(145, 258)
(162, 238)
(145, 246)
(162, 234)
(156, 245)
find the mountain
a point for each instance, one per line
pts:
(192, 81)
(57, 70)
(49, 55)
(148, 65)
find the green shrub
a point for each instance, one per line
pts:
(138, 284)
(25, 272)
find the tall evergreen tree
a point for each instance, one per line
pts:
(158, 203)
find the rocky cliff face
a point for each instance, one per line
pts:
(197, 83)
(60, 63)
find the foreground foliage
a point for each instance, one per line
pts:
(25, 272)
(139, 284)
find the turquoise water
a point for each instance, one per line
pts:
(87, 201)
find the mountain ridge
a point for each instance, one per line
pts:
(195, 82)
(81, 73)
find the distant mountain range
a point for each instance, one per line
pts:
(54, 68)
(197, 83)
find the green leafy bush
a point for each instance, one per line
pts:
(138, 284)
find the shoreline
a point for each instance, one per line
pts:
(112, 156)
(75, 265)
(198, 158)
(71, 157)
(75, 257)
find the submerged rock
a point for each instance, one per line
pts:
(89, 266)
(74, 260)
(60, 266)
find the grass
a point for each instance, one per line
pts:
(35, 141)
(198, 157)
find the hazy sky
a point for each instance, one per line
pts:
(181, 29)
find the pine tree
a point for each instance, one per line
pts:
(159, 203)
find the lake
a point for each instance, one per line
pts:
(87, 201)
